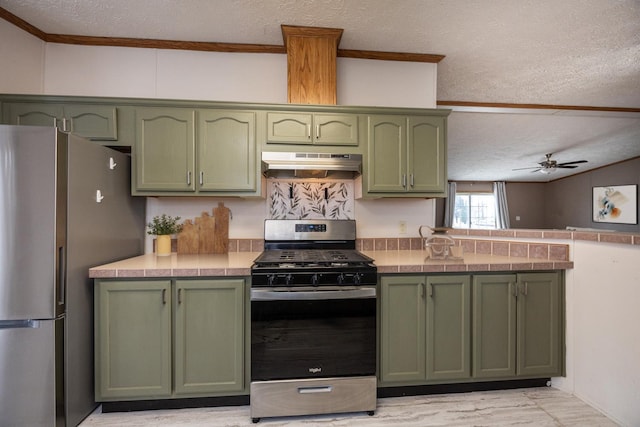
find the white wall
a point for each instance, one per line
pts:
(22, 63)
(603, 329)
(173, 74)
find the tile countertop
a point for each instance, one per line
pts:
(151, 265)
(415, 261)
(388, 261)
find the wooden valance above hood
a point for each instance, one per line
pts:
(311, 64)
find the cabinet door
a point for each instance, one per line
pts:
(335, 129)
(209, 336)
(30, 114)
(96, 122)
(133, 339)
(227, 151)
(539, 324)
(402, 328)
(387, 154)
(448, 327)
(289, 128)
(426, 155)
(494, 326)
(164, 149)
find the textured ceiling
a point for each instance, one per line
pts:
(570, 52)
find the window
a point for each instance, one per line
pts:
(474, 210)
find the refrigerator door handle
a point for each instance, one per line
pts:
(62, 275)
(17, 324)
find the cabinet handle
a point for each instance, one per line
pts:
(189, 178)
(422, 290)
(308, 131)
(55, 122)
(430, 290)
(180, 296)
(404, 180)
(515, 289)
(411, 179)
(64, 126)
(526, 288)
(201, 177)
(317, 131)
(164, 296)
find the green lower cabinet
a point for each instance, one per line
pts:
(133, 339)
(540, 324)
(402, 329)
(158, 339)
(209, 336)
(424, 328)
(448, 327)
(440, 328)
(494, 326)
(517, 325)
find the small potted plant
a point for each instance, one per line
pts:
(163, 227)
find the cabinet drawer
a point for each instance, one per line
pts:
(315, 396)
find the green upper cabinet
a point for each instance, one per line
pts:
(517, 325)
(227, 151)
(406, 156)
(133, 339)
(209, 336)
(425, 328)
(387, 155)
(426, 155)
(164, 151)
(182, 151)
(95, 122)
(312, 128)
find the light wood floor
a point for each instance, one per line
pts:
(539, 407)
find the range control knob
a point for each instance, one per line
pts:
(315, 279)
(271, 279)
(287, 280)
(340, 279)
(356, 278)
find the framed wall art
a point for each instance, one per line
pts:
(617, 204)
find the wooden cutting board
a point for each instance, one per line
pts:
(206, 226)
(189, 238)
(206, 234)
(221, 235)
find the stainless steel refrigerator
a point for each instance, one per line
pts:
(64, 207)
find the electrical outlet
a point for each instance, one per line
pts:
(517, 217)
(403, 227)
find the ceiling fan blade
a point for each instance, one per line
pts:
(567, 166)
(571, 163)
(520, 169)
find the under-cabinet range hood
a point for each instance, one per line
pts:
(311, 165)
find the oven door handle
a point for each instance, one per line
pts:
(320, 294)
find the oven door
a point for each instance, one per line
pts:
(313, 332)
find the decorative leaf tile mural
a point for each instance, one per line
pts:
(304, 199)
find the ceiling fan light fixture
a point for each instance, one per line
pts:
(547, 171)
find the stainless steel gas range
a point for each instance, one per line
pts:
(313, 321)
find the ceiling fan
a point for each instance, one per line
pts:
(549, 166)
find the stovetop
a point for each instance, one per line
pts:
(311, 252)
(328, 258)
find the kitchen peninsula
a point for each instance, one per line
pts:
(391, 255)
